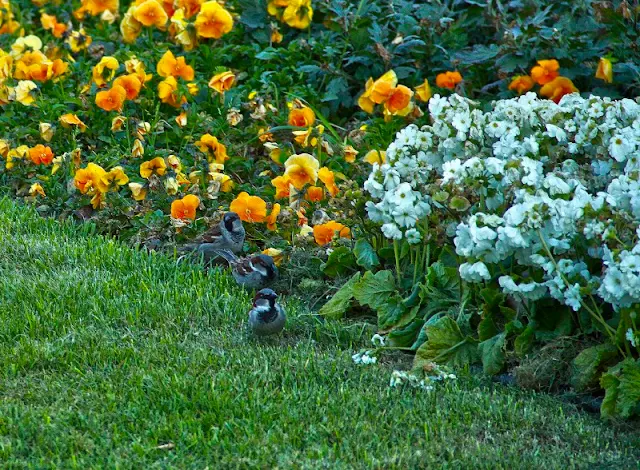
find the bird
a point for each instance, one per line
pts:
(252, 272)
(266, 317)
(227, 235)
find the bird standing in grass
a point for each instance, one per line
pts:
(228, 235)
(266, 317)
(252, 272)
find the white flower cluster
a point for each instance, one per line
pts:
(554, 193)
(400, 377)
(364, 358)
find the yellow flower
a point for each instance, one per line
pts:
(213, 21)
(157, 166)
(95, 7)
(114, 178)
(35, 189)
(78, 40)
(24, 93)
(174, 163)
(273, 217)
(46, 131)
(117, 123)
(87, 180)
(213, 148)
(298, 14)
(168, 92)
(104, 71)
(399, 101)
(138, 191)
(138, 149)
(328, 178)
(283, 186)
(222, 81)
(605, 70)
(377, 92)
(130, 28)
(301, 169)
(276, 254)
(151, 13)
(249, 208)
(350, 153)
(423, 92)
(225, 181)
(71, 120)
(376, 156)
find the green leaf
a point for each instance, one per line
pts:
(365, 255)
(588, 365)
(339, 303)
(524, 341)
(487, 328)
(492, 354)
(459, 203)
(341, 261)
(374, 290)
(446, 345)
(405, 336)
(622, 390)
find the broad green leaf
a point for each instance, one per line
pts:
(622, 390)
(492, 354)
(446, 345)
(365, 255)
(374, 290)
(341, 261)
(524, 341)
(589, 364)
(339, 303)
(487, 328)
(459, 203)
(406, 335)
(393, 313)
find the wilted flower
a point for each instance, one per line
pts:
(104, 71)
(222, 81)
(605, 70)
(276, 254)
(138, 191)
(46, 131)
(71, 120)
(273, 217)
(35, 189)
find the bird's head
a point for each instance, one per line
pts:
(232, 222)
(265, 297)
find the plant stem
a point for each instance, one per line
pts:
(396, 253)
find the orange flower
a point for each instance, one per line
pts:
(213, 21)
(521, 84)
(399, 101)
(328, 178)
(130, 28)
(157, 166)
(185, 208)
(557, 88)
(71, 120)
(377, 92)
(112, 99)
(301, 169)
(213, 148)
(189, 7)
(448, 79)
(325, 233)
(151, 13)
(170, 66)
(130, 83)
(222, 81)
(605, 70)
(314, 194)
(41, 155)
(51, 22)
(95, 7)
(282, 185)
(249, 208)
(545, 71)
(273, 217)
(302, 117)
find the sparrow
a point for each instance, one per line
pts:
(227, 235)
(253, 272)
(266, 317)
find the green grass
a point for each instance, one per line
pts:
(108, 353)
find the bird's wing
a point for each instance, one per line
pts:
(210, 236)
(244, 266)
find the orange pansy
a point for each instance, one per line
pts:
(170, 66)
(545, 71)
(302, 117)
(41, 155)
(112, 99)
(130, 83)
(151, 13)
(448, 79)
(213, 21)
(185, 208)
(249, 208)
(557, 88)
(521, 84)
(325, 233)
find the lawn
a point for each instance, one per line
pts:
(117, 358)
